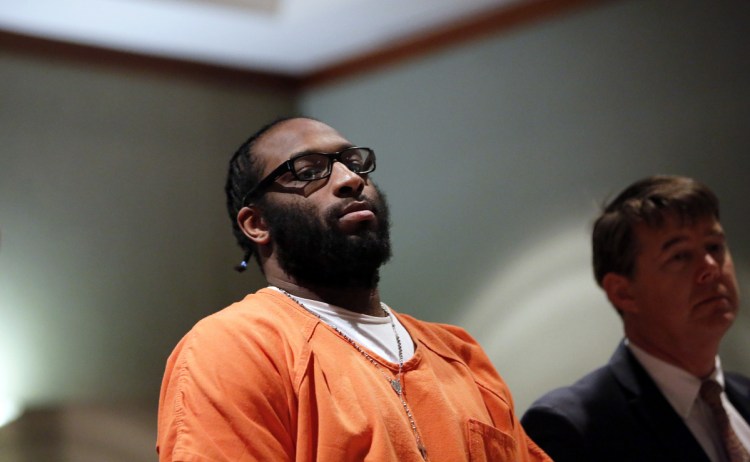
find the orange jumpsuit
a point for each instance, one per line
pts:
(265, 380)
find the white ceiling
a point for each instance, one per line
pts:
(294, 37)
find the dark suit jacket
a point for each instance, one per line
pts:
(618, 414)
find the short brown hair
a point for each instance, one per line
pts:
(646, 201)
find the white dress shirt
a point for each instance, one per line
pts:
(681, 389)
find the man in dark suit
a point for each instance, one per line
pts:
(661, 256)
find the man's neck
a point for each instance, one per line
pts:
(698, 361)
(359, 300)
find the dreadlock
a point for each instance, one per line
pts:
(244, 174)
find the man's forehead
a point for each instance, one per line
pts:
(298, 135)
(675, 229)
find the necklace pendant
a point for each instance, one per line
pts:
(423, 452)
(396, 384)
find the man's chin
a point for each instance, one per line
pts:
(719, 320)
(361, 228)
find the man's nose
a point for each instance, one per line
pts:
(710, 269)
(346, 182)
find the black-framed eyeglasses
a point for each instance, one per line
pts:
(311, 166)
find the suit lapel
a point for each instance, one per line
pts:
(738, 391)
(653, 413)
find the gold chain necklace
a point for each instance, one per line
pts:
(396, 383)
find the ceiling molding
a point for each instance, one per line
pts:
(142, 63)
(502, 19)
(258, 6)
(493, 22)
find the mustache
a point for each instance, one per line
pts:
(336, 210)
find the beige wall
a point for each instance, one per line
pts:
(114, 235)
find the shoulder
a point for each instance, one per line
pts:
(564, 421)
(600, 393)
(589, 395)
(455, 344)
(260, 330)
(235, 370)
(448, 341)
(262, 315)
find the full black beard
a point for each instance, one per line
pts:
(314, 251)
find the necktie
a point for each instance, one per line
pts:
(711, 394)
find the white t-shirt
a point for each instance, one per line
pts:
(373, 333)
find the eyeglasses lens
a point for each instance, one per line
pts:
(315, 166)
(312, 166)
(358, 160)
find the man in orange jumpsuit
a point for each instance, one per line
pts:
(315, 366)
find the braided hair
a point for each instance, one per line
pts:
(244, 174)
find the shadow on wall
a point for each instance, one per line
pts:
(545, 323)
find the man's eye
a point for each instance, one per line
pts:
(311, 168)
(680, 256)
(309, 173)
(354, 165)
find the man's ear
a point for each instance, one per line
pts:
(619, 291)
(253, 224)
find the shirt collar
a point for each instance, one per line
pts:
(680, 387)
